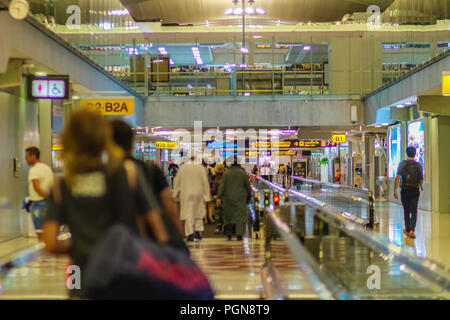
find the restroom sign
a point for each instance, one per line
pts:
(48, 87)
(109, 106)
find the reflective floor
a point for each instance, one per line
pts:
(432, 231)
(234, 266)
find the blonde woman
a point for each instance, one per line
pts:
(95, 192)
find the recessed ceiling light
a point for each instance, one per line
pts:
(400, 106)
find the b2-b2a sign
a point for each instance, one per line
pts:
(110, 106)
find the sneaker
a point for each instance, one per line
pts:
(405, 233)
(190, 238)
(198, 236)
(412, 235)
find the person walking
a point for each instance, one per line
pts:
(235, 193)
(218, 210)
(191, 189)
(40, 181)
(95, 195)
(123, 137)
(412, 179)
(173, 169)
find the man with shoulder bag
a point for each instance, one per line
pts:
(412, 179)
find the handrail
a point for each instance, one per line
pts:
(325, 288)
(428, 270)
(332, 185)
(317, 203)
(370, 201)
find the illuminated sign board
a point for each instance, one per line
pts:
(110, 106)
(338, 138)
(446, 84)
(166, 145)
(220, 145)
(48, 87)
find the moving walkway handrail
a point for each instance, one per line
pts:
(370, 201)
(332, 185)
(324, 287)
(426, 269)
(317, 203)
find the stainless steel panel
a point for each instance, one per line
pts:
(18, 130)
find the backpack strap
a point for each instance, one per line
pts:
(57, 195)
(130, 169)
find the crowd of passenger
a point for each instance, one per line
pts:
(104, 187)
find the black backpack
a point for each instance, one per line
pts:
(411, 175)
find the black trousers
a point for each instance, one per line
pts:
(410, 201)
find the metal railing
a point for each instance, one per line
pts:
(323, 285)
(347, 249)
(359, 202)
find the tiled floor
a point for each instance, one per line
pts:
(16, 244)
(43, 278)
(233, 267)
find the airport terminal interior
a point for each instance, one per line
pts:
(320, 102)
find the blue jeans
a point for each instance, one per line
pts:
(37, 213)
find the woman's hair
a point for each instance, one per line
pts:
(85, 138)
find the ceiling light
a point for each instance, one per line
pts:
(244, 50)
(385, 124)
(238, 11)
(377, 126)
(260, 11)
(400, 106)
(229, 11)
(307, 48)
(257, 37)
(40, 74)
(249, 10)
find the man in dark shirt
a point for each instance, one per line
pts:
(123, 136)
(412, 180)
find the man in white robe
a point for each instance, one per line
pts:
(191, 189)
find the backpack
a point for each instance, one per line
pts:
(411, 175)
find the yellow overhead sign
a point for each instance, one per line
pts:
(166, 145)
(446, 84)
(338, 138)
(109, 106)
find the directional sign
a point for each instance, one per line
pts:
(110, 106)
(166, 145)
(338, 138)
(446, 83)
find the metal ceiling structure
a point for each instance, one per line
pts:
(198, 11)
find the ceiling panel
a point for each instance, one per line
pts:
(198, 11)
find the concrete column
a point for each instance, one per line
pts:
(355, 65)
(45, 131)
(440, 171)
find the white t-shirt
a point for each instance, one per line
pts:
(44, 174)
